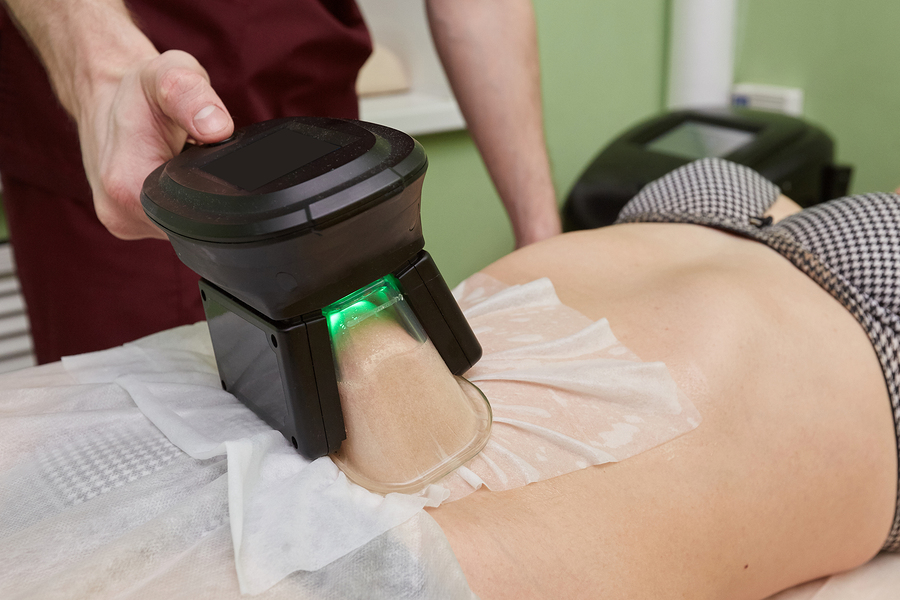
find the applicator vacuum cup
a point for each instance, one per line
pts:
(283, 219)
(409, 420)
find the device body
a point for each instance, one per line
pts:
(790, 152)
(283, 219)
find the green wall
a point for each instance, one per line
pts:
(845, 55)
(602, 66)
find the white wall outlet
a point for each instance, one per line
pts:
(768, 97)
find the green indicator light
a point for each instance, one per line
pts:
(361, 304)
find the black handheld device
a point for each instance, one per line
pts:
(281, 220)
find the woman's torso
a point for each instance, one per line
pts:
(793, 468)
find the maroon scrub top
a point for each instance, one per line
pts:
(85, 289)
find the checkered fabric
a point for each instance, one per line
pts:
(711, 189)
(849, 246)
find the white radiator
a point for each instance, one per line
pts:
(15, 339)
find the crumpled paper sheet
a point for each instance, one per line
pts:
(96, 503)
(286, 513)
(565, 394)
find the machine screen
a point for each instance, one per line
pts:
(694, 139)
(266, 160)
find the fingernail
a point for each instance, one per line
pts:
(210, 120)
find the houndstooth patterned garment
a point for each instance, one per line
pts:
(849, 246)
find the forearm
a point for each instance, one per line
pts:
(489, 50)
(84, 44)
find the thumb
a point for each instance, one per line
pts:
(179, 87)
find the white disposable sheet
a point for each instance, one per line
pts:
(565, 393)
(95, 502)
(132, 474)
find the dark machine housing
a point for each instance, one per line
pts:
(282, 219)
(793, 154)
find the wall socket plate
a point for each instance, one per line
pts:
(773, 98)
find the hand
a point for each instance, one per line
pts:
(540, 232)
(132, 124)
(534, 220)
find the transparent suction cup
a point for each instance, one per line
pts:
(409, 420)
